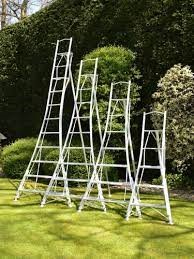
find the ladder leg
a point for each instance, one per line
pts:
(166, 196)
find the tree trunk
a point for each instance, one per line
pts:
(3, 13)
(24, 8)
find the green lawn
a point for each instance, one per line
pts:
(56, 231)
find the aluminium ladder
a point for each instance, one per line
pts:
(61, 78)
(118, 109)
(81, 126)
(152, 140)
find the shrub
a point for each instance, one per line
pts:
(176, 181)
(76, 171)
(16, 156)
(175, 93)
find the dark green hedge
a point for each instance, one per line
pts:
(160, 32)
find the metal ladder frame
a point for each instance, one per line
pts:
(96, 178)
(161, 149)
(37, 153)
(76, 118)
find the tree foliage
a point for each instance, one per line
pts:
(175, 93)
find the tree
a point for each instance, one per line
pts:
(175, 93)
(16, 10)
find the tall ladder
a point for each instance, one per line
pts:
(81, 125)
(151, 140)
(52, 125)
(118, 108)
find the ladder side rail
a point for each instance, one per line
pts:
(127, 148)
(163, 173)
(130, 139)
(91, 135)
(65, 83)
(134, 188)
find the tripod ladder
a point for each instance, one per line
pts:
(52, 126)
(152, 140)
(85, 104)
(117, 126)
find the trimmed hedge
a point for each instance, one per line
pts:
(160, 32)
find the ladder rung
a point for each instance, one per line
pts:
(114, 148)
(54, 104)
(152, 148)
(56, 91)
(113, 165)
(61, 66)
(77, 163)
(39, 176)
(44, 161)
(77, 132)
(85, 89)
(82, 117)
(32, 191)
(150, 167)
(50, 133)
(115, 100)
(152, 205)
(48, 147)
(83, 102)
(115, 131)
(104, 200)
(117, 115)
(59, 78)
(149, 130)
(63, 53)
(77, 148)
(52, 119)
(151, 186)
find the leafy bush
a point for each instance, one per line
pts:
(76, 171)
(176, 181)
(16, 156)
(115, 64)
(175, 93)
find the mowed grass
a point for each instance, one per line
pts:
(56, 231)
